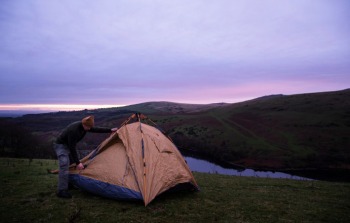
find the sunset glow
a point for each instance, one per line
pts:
(53, 107)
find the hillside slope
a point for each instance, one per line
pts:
(297, 131)
(273, 132)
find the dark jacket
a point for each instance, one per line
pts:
(75, 132)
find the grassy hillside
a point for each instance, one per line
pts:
(306, 130)
(273, 132)
(297, 131)
(28, 195)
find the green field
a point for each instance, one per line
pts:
(28, 195)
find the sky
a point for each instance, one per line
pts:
(106, 53)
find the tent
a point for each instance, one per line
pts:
(136, 162)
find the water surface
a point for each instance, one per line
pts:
(204, 166)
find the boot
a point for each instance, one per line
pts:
(63, 194)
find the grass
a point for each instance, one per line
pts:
(27, 194)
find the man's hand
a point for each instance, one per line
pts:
(80, 166)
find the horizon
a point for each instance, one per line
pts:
(64, 52)
(15, 110)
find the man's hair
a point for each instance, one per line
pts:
(88, 121)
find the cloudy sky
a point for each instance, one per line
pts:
(124, 52)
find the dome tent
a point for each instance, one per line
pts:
(136, 162)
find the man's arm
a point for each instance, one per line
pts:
(102, 130)
(71, 145)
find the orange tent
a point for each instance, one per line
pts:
(136, 162)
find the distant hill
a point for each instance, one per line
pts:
(17, 113)
(271, 132)
(171, 107)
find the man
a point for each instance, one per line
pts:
(64, 147)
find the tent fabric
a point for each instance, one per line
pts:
(136, 162)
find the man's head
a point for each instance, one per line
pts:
(88, 122)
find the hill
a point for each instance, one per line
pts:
(304, 131)
(297, 131)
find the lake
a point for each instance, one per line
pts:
(204, 166)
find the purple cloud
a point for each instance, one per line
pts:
(125, 52)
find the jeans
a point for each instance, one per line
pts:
(63, 155)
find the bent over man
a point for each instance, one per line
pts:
(65, 148)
